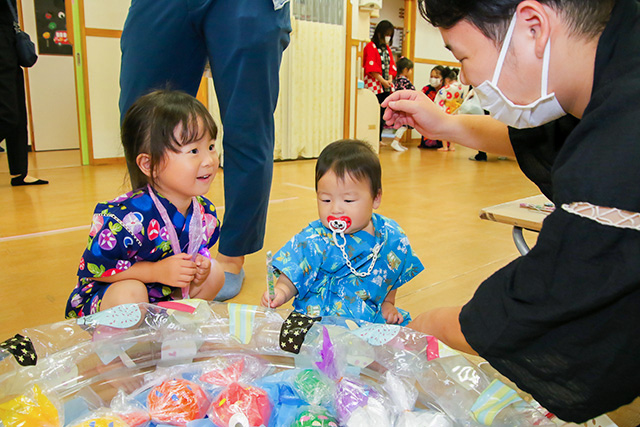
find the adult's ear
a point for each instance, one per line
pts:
(536, 18)
(143, 160)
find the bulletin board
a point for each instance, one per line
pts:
(51, 25)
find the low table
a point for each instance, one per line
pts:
(512, 213)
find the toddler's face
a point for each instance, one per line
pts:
(346, 198)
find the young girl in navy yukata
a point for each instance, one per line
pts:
(351, 261)
(402, 82)
(152, 244)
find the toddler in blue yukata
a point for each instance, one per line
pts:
(351, 261)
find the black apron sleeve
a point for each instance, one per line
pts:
(536, 149)
(561, 322)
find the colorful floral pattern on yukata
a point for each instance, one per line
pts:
(403, 83)
(126, 230)
(326, 286)
(449, 97)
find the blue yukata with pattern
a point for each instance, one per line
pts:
(326, 286)
(129, 229)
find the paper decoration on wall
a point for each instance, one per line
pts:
(51, 27)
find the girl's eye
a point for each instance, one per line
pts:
(349, 201)
(194, 151)
(212, 147)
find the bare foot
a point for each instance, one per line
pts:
(442, 149)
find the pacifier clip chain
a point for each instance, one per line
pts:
(338, 226)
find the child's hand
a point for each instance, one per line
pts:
(277, 301)
(203, 268)
(391, 313)
(177, 270)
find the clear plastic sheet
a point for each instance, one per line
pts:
(347, 372)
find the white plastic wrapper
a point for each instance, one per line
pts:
(423, 419)
(384, 375)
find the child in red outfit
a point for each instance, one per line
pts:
(379, 66)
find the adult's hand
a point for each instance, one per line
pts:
(414, 108)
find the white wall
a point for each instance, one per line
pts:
(106, 14)
(429, 44)
(103, 73)
(390, 11)
(103, 65)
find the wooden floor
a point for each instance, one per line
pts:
(434, 196)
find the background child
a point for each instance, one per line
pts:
(379, 65)
(449, 98)
(402, 82)
(152, 244)
(350, 262)
(431, 90)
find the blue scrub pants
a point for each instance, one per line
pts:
(165, 45)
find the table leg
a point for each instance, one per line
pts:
(518, 238)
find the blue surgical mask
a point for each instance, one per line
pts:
(544, 110)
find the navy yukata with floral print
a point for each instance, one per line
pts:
(326, 286)
(129, 229)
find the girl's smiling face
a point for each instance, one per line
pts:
(188, 172)
(340, 197)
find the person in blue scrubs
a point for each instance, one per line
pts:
(166, 44)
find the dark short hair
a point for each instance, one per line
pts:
(381, 30)
(449, 73)
(404, 63)
(584, 17)
(351, 157)
(149, 127)
(441, 69)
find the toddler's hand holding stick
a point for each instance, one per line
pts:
(270, 278)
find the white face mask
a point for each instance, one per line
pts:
(387, 39)
(544, 110)
(435, 82)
